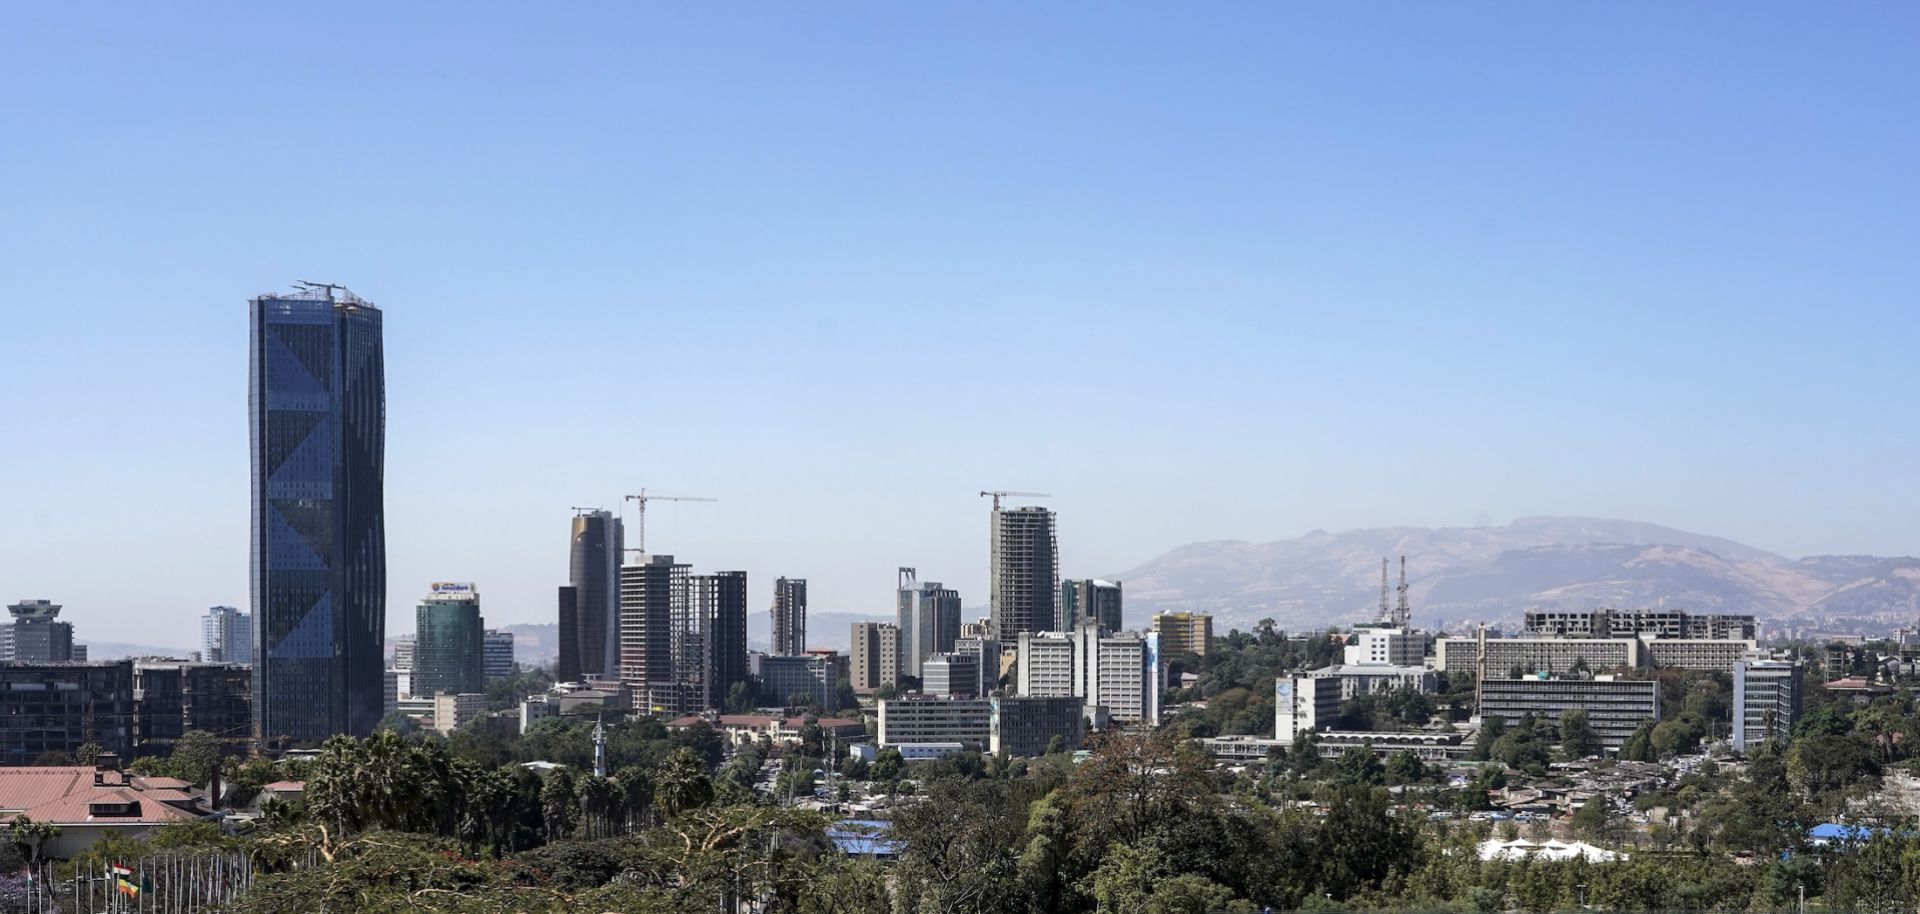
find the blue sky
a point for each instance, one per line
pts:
(1201, 272)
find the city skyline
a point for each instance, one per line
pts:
(1605, 281)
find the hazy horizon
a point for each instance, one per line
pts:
(1239, 273)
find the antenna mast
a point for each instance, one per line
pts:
(1402, 613)
(1384, 612)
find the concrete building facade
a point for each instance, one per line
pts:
(1184, 633)
(1767, 696)
(1615, 707)
(1027, 727)
(790, 616)
(1024, 572)
(905, 721)
(874, 660)
(1090, 601)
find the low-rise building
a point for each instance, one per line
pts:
(815, 674)
(748, 729)
(1615, 708)
(933, 720)
(1028, 727)
(86, 804)
(452, 710)
(950, 676)
(1428, 745)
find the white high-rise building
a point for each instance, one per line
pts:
(226, 636)
(1046, 665)
(1118, 672)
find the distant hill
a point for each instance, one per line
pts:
(1496, 573)
(116, 650)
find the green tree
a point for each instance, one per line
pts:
(195, 757)
(558, 811)
(29, 836)
(682, 785)
(888, 764)
(1577, 740)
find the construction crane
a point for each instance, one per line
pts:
(645, 496)
(1001, 493)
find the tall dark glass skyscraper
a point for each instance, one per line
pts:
(591, 644)
(316, 403)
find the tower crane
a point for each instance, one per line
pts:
(641, 500)
(1002, 493)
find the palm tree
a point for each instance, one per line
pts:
(596, 804)
(636, 792)
(557, 804)
(683, 784)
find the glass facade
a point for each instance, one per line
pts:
(317, 417)
(449, 651)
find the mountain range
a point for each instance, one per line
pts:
(1493, 574)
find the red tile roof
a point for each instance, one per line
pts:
(25, 788)
(73, 809)
(61, 795)
(286, 786)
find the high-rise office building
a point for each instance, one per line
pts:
(1024, 572)
(1090, 601)
(875, 656)
(498, 645)
(710, 641)
(790, 617)
(653, 590)
(226, 636)
(38, 634)
(449, 653)
(929, 620)
(317, 421)
(590, 604)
